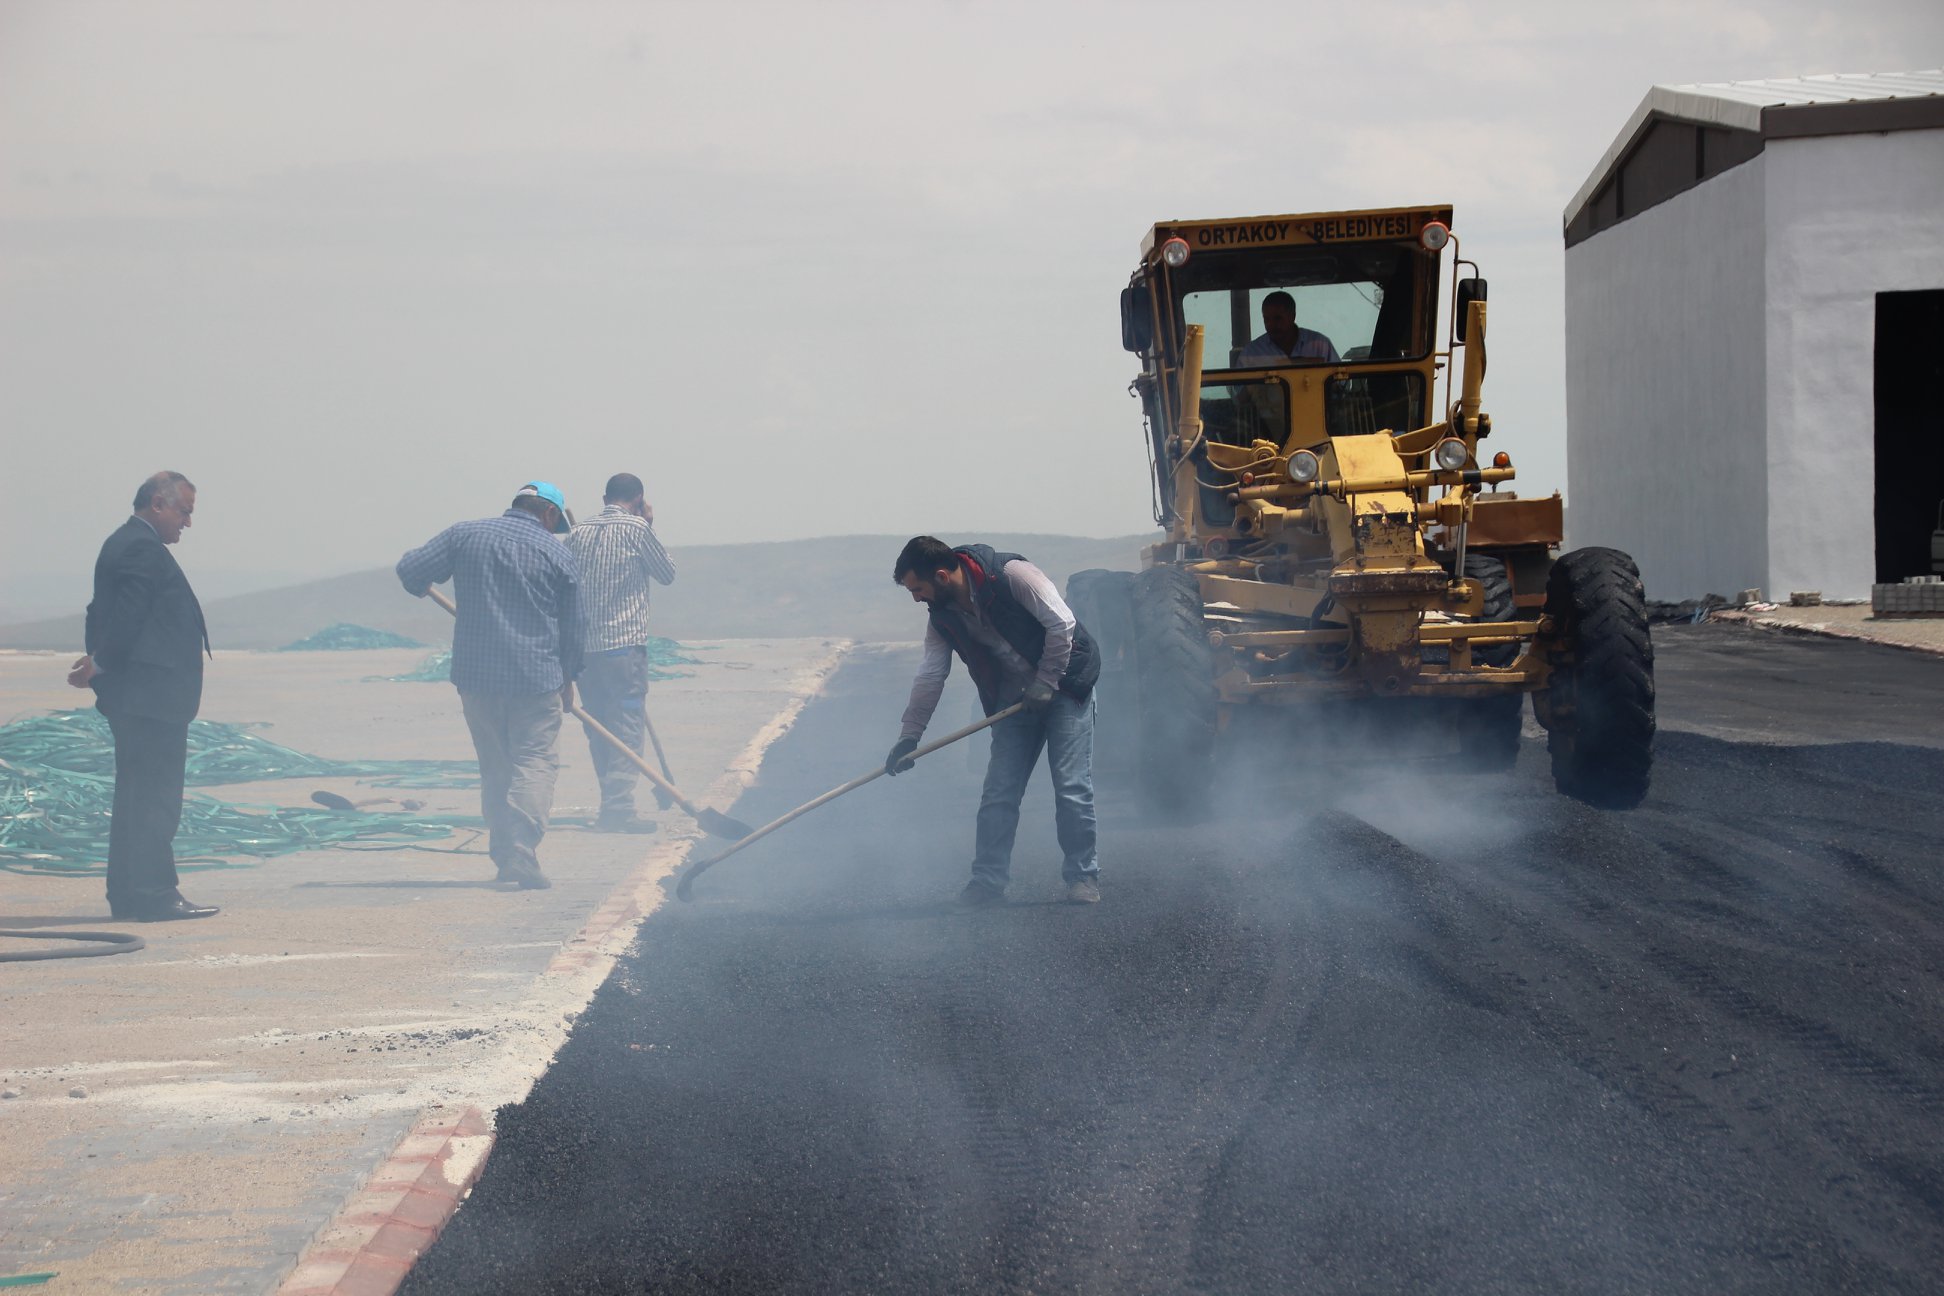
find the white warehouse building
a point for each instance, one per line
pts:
(1755, 336)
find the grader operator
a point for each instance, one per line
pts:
(1314, 420)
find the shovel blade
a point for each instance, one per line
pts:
(718, 824)
(685, 884)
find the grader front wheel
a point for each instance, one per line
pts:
(1174, 671)
(1600, 708)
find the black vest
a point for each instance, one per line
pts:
(1017, 626)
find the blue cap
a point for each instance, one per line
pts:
(551, 494)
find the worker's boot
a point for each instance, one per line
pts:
(526, 878)
(979, 894)
(1085, 891)
(525, 873)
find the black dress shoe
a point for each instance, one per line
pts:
(527, 879)
(168, 911)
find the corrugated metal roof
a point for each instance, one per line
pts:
(1738, 105)
(1839, 87)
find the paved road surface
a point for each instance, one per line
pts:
(1429, 1034)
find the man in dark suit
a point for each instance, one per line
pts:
(146, 641)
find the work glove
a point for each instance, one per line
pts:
(900, 758)
(1038, 695)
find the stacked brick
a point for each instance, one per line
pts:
(1916, 596)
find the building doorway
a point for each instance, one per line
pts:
(1909, 430)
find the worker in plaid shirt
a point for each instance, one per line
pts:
(515, 652)
(618, 555)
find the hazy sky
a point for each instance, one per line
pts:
(359, 270)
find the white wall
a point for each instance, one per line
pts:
(1849, 216)
(1664, 389)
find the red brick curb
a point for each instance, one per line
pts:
(1757, 622)
(376, 1237)
(385, 1226)
(623, 907)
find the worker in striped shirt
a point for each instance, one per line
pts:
(618, 554)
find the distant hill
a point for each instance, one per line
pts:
(836, 586)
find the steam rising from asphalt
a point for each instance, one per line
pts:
(1395, 767)
(883, 901)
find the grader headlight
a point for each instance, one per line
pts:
(1451, 454)
(1304, 467)
(1434, 236)
(1175, 253)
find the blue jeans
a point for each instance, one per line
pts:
(1065, 729)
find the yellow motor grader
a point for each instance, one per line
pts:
(1334, 531)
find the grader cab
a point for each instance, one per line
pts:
(1334, 532)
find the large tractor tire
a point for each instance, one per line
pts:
(1488, 728)
(1174, 673)
(1103, 602)
(1500, 605)
(1600, 706)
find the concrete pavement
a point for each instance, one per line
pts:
(245, 1074)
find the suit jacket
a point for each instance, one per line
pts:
(145, 629)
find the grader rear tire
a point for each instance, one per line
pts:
(1500, 604)
(1174, 671)
(1488, 728)
(1103, 602)
(1602, 738)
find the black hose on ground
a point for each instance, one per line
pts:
(115, 943)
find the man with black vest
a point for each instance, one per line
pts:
(1021, 643)
(146, 642)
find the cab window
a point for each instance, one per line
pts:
(1349, 305)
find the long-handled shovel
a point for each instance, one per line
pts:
(661, 757)
(697, 869)
(712, 821)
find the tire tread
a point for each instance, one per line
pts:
(1606, 757)
(1177, 700)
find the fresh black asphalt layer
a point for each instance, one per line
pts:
(1370, 1030)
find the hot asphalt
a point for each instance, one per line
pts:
(1371, 1029)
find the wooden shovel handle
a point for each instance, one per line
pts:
(634, 756)
(851, 786)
